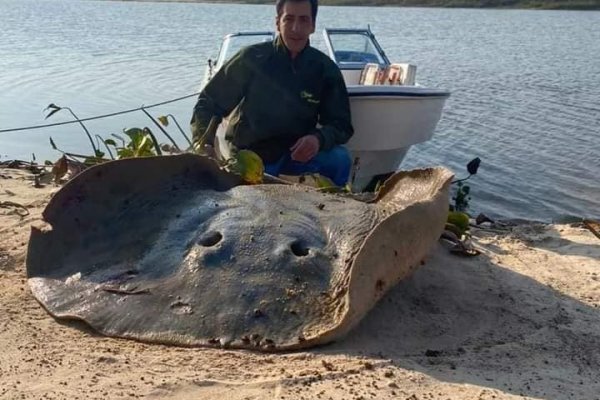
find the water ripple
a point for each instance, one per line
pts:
(524, 100)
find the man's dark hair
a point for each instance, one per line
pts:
(314, 5)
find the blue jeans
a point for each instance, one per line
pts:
(334, 164)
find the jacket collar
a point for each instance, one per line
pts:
(283, 51)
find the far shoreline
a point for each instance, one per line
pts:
(564, 5)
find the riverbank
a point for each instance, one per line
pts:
(520, 320)
(505, 4)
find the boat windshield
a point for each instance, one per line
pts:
(353, 46)
(349, 48)
(236, 41)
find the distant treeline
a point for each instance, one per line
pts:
(539, 4)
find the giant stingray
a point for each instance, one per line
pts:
(176, 250)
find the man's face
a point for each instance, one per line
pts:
(295, 24)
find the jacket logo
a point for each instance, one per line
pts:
(309, 97)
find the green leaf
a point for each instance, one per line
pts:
(110, 142)
(325, 183)
(53, 144)
(118, 137)
(164, 120)
(249, 166)
(140, 144)
(136, 135)
(460, 220)
(144, 147)
(92, 161)
(125, 152)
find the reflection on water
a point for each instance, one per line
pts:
(525, 87)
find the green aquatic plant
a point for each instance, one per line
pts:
(175, 146)
(141, 140)
(461, 198)
(136, 142)
(142, 143)
(164, 120)
(457, 226)
(462, 195)
(54, 109)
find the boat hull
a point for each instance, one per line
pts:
(387, 120)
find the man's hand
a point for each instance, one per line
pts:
(305, 148)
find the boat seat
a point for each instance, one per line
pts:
(372, 74)
(395, 74)
(401, 74)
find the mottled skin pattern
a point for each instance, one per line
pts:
(175, 250)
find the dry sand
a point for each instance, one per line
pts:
(522, 320)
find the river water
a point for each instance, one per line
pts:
(525, 84)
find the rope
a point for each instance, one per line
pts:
(99, 116)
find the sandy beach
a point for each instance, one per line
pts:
(521, 320)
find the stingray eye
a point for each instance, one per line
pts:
(299, 249)
(210, 239)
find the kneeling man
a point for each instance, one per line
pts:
(288, 101)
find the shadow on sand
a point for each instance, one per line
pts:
(548, 237)
(473, 321)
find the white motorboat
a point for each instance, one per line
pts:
(390, 112)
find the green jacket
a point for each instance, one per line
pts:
(276, 100)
